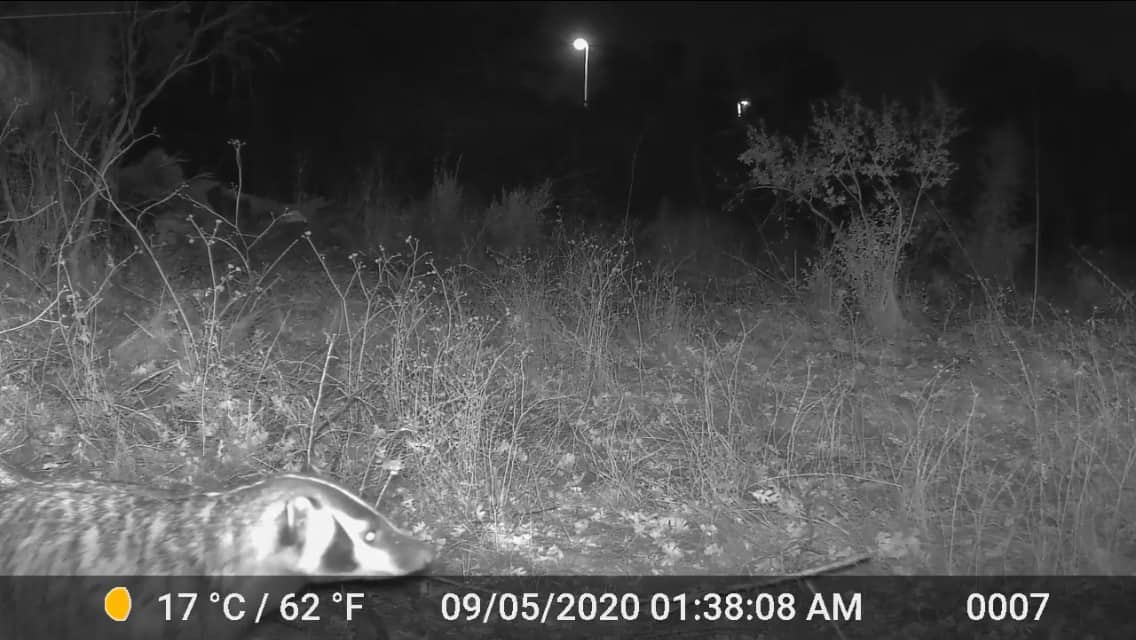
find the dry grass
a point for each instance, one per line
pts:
(569, 410)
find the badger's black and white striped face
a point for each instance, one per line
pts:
(323, 530)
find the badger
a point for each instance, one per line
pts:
(276, 535)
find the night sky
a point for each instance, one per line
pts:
(876, 46)
(427, 79)
(498, 87)
(882, 45)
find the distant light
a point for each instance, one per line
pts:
(743, 106)
(582, 45)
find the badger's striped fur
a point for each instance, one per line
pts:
(283, 532)
(287, 525)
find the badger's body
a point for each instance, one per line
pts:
(276, 535)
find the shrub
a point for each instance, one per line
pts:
(865, 173)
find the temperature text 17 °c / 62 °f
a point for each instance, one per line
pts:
(236, 607)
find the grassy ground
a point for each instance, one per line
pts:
(578, 410)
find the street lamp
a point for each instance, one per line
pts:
(582, 45)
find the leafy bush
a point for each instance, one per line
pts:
(865, 173)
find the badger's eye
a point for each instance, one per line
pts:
(370, 536)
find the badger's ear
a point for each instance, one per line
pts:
(293, 520)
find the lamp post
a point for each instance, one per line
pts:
(582, 45)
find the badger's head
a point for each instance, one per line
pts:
(318, 529)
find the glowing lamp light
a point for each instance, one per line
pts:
(582, 45)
